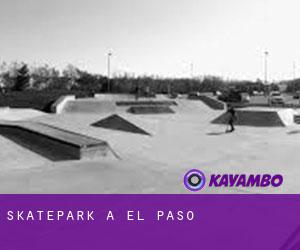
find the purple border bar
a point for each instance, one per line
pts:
(241, 222)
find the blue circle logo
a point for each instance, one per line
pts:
(194, 180)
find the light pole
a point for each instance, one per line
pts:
(294, 70)
(267, 87)
(266, 67)
(109, 55)
(294, 76)
(192, 69)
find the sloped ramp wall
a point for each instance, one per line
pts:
(253, 118)
(90, 106)
(210, 102)
(146, 103)
(144, 110)
(116, 122)
(288, 116)
(58, 106)
(54, 143)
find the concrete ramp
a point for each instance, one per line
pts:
(114, 97)
(288, 116)
(255, 118)
(211, 102)
(150, 110)
(129, 97)
(90, 106)
(116, 122)
(18, 114)
(146, 103)
(54, 143)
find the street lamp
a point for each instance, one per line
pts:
(109, 55)
(266, 67)
(192, 69)
(267, 87)
(294, 76)
(294, 70)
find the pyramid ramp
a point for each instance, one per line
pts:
(116, 122)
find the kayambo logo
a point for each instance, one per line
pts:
(194, 180)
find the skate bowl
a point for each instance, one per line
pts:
(150, 110)
(54, 143)
(116, 122)
(260, 118)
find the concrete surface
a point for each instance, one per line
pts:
(155, 164)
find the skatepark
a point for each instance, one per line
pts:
(116, 144)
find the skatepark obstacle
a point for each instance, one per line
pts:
(116, 122)
(146, 103)
(255, 118)
(58, 106)
(211, 102)
(145, 110)
(53, 143)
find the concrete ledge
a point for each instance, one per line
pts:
(150, 110)
(54, 143)
(58, 106)
(146, 103)
(114, 97)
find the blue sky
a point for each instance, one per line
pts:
(158, 37)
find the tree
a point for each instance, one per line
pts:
(89, 82)
(73, 74)
(22, 78)
(14, 76)
(43, 76)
